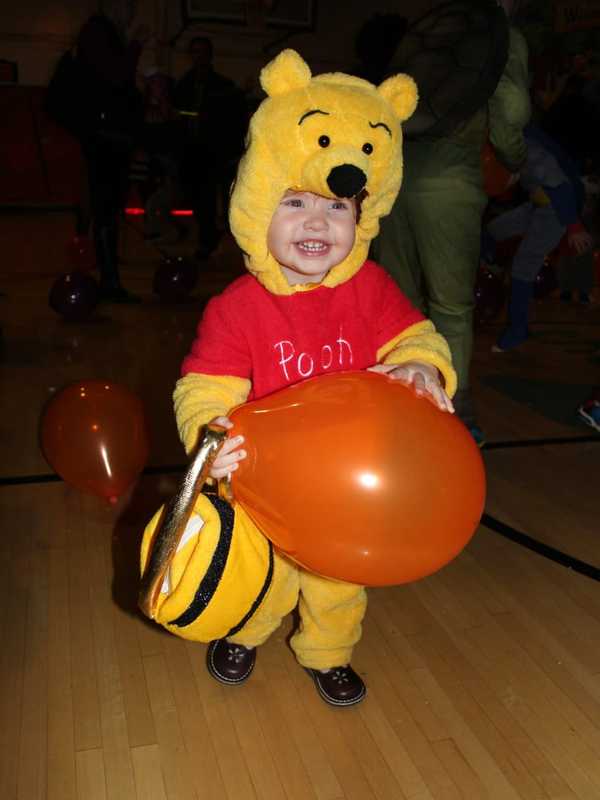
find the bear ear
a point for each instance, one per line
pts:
(401, 91)
(286, 72)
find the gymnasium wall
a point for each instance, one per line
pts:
(40, 164)
(34, 33)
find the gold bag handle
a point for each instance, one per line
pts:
(175, 517)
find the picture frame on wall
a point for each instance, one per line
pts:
(229, 12)
(290, 14)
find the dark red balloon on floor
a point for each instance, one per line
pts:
(74, 296)
(81, 255)
(490, 296)
(546, 281)
(174, 279)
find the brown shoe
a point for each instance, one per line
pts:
(340, 686)
(229, 663)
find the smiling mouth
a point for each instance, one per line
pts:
(313, 247)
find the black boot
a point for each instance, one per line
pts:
(340, 686)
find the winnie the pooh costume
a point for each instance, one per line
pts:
(336, 136)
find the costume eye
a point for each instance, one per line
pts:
(367, 148)
(324, 141)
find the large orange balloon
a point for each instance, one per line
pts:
(496, 178)
(356, 478)
(94, 436)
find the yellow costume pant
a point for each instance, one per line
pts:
(227, 580)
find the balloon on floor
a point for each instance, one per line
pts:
(74, 296)
(94, 436)
(81, 255)
(174, 279)
(356, 478)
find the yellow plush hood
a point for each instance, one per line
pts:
(334, 135)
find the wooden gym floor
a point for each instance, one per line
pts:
(484, 679)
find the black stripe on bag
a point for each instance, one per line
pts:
(213, 575)
(259, 597)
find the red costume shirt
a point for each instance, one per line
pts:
(277, 340)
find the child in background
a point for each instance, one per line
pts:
(555, 191)
(311, 305)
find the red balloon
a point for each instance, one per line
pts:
(356, 478)
(496, 178)
(81, 254)
(94, 436)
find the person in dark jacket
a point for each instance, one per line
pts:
(555, 192)
(430, 242)
(107, 52)
(214, 118)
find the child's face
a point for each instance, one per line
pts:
(310, 234)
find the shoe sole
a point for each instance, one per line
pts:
(212, 670)
(330, 700)
(589, 420)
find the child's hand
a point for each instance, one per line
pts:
(422, 378)
(229, 454)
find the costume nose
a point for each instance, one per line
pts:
(346, 180)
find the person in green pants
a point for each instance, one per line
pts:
(430, 242)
